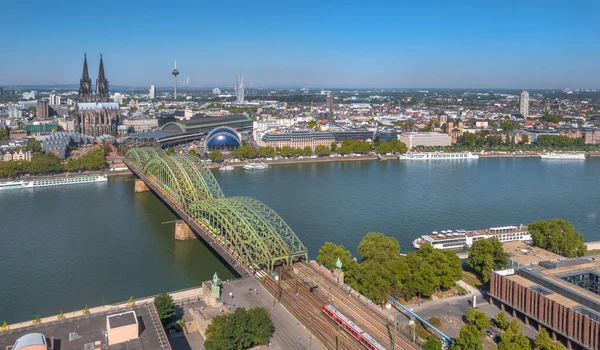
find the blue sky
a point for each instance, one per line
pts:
(425, 43)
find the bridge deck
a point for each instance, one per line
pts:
(214, 241)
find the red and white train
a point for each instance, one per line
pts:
(355, 331)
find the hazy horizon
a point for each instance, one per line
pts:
(470, 44)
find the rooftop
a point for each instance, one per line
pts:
(122, 319)
(526, 254)
(572, 282)
(89, 331)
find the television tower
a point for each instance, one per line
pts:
(175, 74)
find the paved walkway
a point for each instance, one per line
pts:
(289, 333)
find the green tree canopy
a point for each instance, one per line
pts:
(164, 307)
(487, 255)
(502, 321)
(478, 319)
(379, 247)
(328, 255)
(558, 236)
(333, 147)
(322, 150)
(241, 329)
(34, 145)
(543, 341)
(170, 151)
(92, 160)
(216, 156)
(469, 339)
(446, 265)
(513, 338)
(432, 344)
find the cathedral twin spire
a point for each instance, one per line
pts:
(85, 84)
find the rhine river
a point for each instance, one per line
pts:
(67, 247)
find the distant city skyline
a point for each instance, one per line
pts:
(431, 44)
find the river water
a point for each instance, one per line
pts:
(67, 247)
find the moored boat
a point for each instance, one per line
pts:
(46, 182)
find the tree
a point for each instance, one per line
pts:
(378, 247)
(502, 321)
(328, 255)
(322, 150)
(164, 307)
(375, 281)
(446, 265)
(513, 338)
(130, 301)
(307, 151)
(333, 147)
(241, 329)
(432, 344)
(92, 160)
(34, 145)
(86, 310)
(383, 148)
(543, 341)
(37, 320)
(558, 236)
(469, 339)
(192, 152)
(509, 126)
(478, 319)
(525, 138)
(216, 156)
(5, 327)
(61, 316)
(311, 124)
(170, 151)
(487, 255)
(4, 135)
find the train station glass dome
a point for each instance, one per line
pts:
(223, 138)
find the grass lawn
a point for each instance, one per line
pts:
(471, 279)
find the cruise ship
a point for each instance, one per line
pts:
(461, 239)
(563, 156)
(438, 156)
(226, 168)
(53, 182)
(255, 166)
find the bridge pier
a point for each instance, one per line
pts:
(183, 232)
(140, 186)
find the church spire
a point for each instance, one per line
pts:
(101, 71)
(101, 84)
(85, 84)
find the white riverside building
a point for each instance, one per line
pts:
(413, 139)
(461, 239)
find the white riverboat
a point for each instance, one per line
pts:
(438, 156)
(60, 181)
(461, 239)
(255, 166)
(563, 156)
(226, 168)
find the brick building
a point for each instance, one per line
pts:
(562, 296)
(591, 136)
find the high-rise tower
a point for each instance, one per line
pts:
(152, 92)
(175, 74)
(524, 104)
(85, 84)
(101, 84)
(240, 89)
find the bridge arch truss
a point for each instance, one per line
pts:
(254, 231)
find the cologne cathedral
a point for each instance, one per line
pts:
(95, 115)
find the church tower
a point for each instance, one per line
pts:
(101, 84)
(85, 84)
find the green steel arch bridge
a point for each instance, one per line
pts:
(243, 230)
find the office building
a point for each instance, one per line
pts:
(54, 99)
(216, 91)
(329, 104)
(42, 109)
(591, 136)
(297, 139)
(152, 92)
(561, 295)
(413, 139)
(524, 104)
(240, 89)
